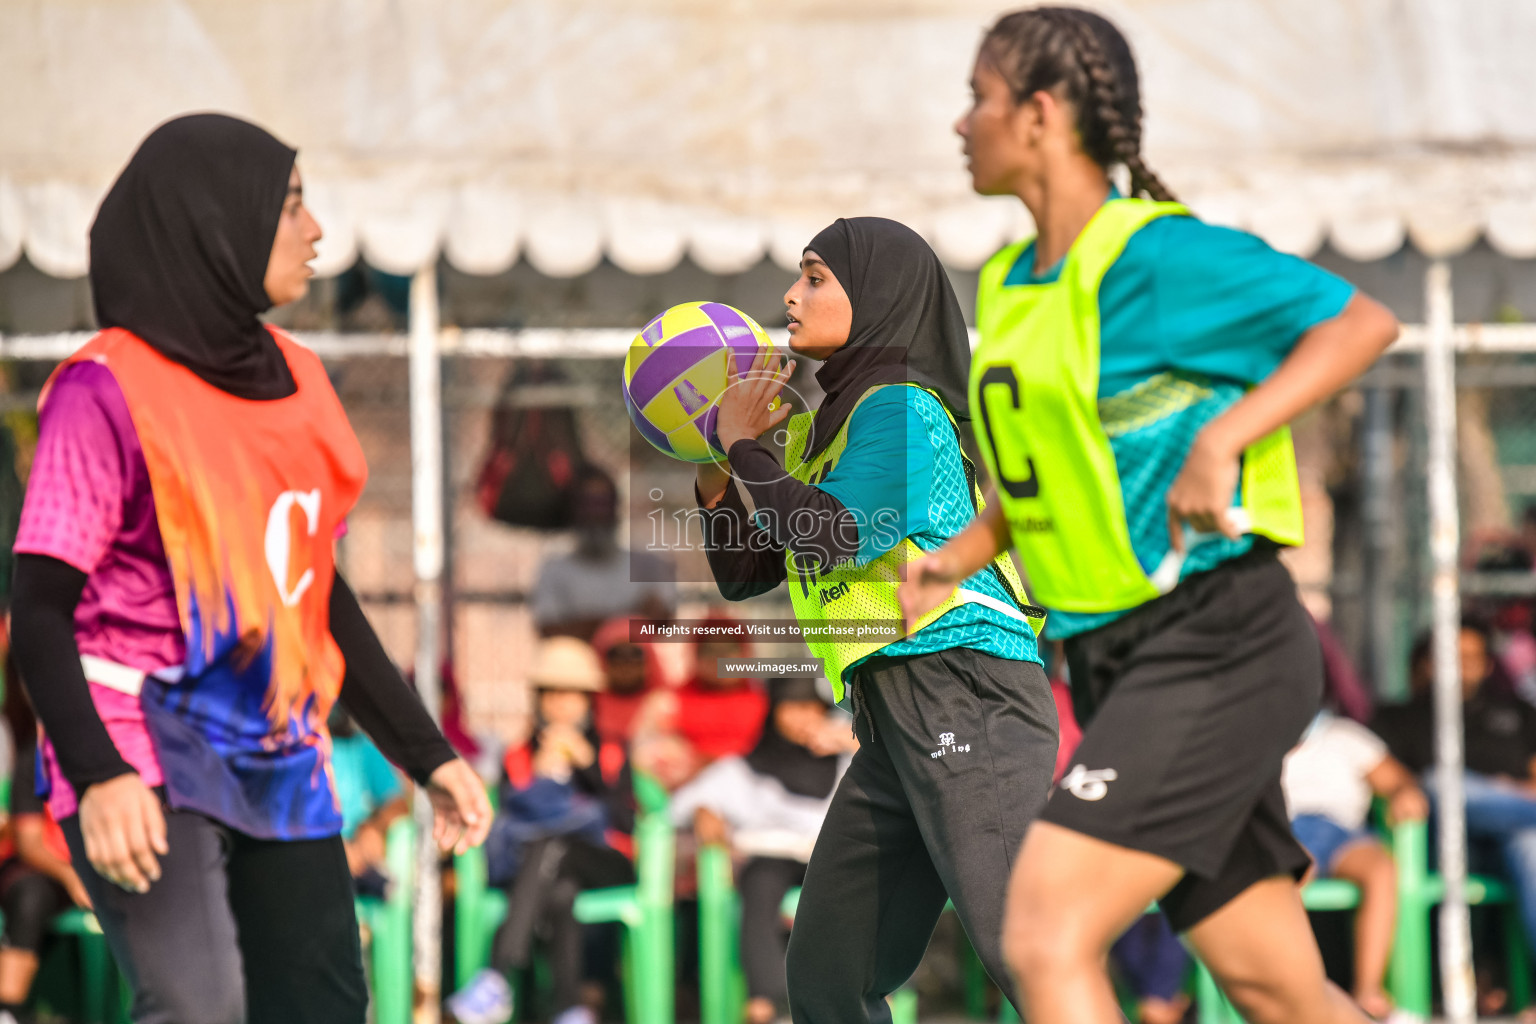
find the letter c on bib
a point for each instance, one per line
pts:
(279, 542)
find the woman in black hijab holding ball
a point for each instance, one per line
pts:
(955, 720)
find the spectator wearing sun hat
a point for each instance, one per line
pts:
(562, 797)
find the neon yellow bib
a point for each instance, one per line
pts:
(830, 599)
(1034, 394)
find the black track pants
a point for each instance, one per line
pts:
(957, 753)
(237, 931)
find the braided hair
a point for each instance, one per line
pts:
(1042, 48)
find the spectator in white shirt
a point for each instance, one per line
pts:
(1329, 780)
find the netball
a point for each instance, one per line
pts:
(678, 368)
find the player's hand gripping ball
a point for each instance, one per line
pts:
(677, 370)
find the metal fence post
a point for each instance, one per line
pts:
(427, 522)
(1456, 975)
(1377, 521)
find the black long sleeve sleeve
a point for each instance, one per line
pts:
(747, 558)
(375, 693)
(44, 594)
(799, 516)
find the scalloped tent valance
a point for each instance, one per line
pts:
(564, 131)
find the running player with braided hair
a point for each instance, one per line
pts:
(1131, 390)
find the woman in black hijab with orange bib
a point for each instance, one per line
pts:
(178, 619)
(956, 724)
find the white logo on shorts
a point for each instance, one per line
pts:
(1088, 785)
(947, 745)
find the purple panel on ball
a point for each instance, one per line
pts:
(669, 361)
(648, 430)
(736, 331)
(651, 332)
(689, 397)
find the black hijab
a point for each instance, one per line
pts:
(907, 324)
(797, 769)
(180, 246)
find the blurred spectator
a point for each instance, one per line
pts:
(633, 672)
(562, 793)
(1329, 779)
(482, 750)
(1153, 964)
(1068, 731)
(577, 592)
(1499, 742)
(1528, 529)
(1343, 690)
(372, 796)
(768, 807)
(36, 880)
(1514, 648)
(455, 728)
(679, 732)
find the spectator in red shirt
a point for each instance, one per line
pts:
(634, 671)
(680, 731)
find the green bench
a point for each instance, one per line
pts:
(643, 909)
(1410, 971)
(722, 987)
(389, 926)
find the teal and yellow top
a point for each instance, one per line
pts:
(1092, 380)
(897, 467)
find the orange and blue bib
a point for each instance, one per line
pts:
(249, 496)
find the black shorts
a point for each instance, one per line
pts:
(1189, 704)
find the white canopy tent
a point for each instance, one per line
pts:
(724, 131)
(561, 131)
